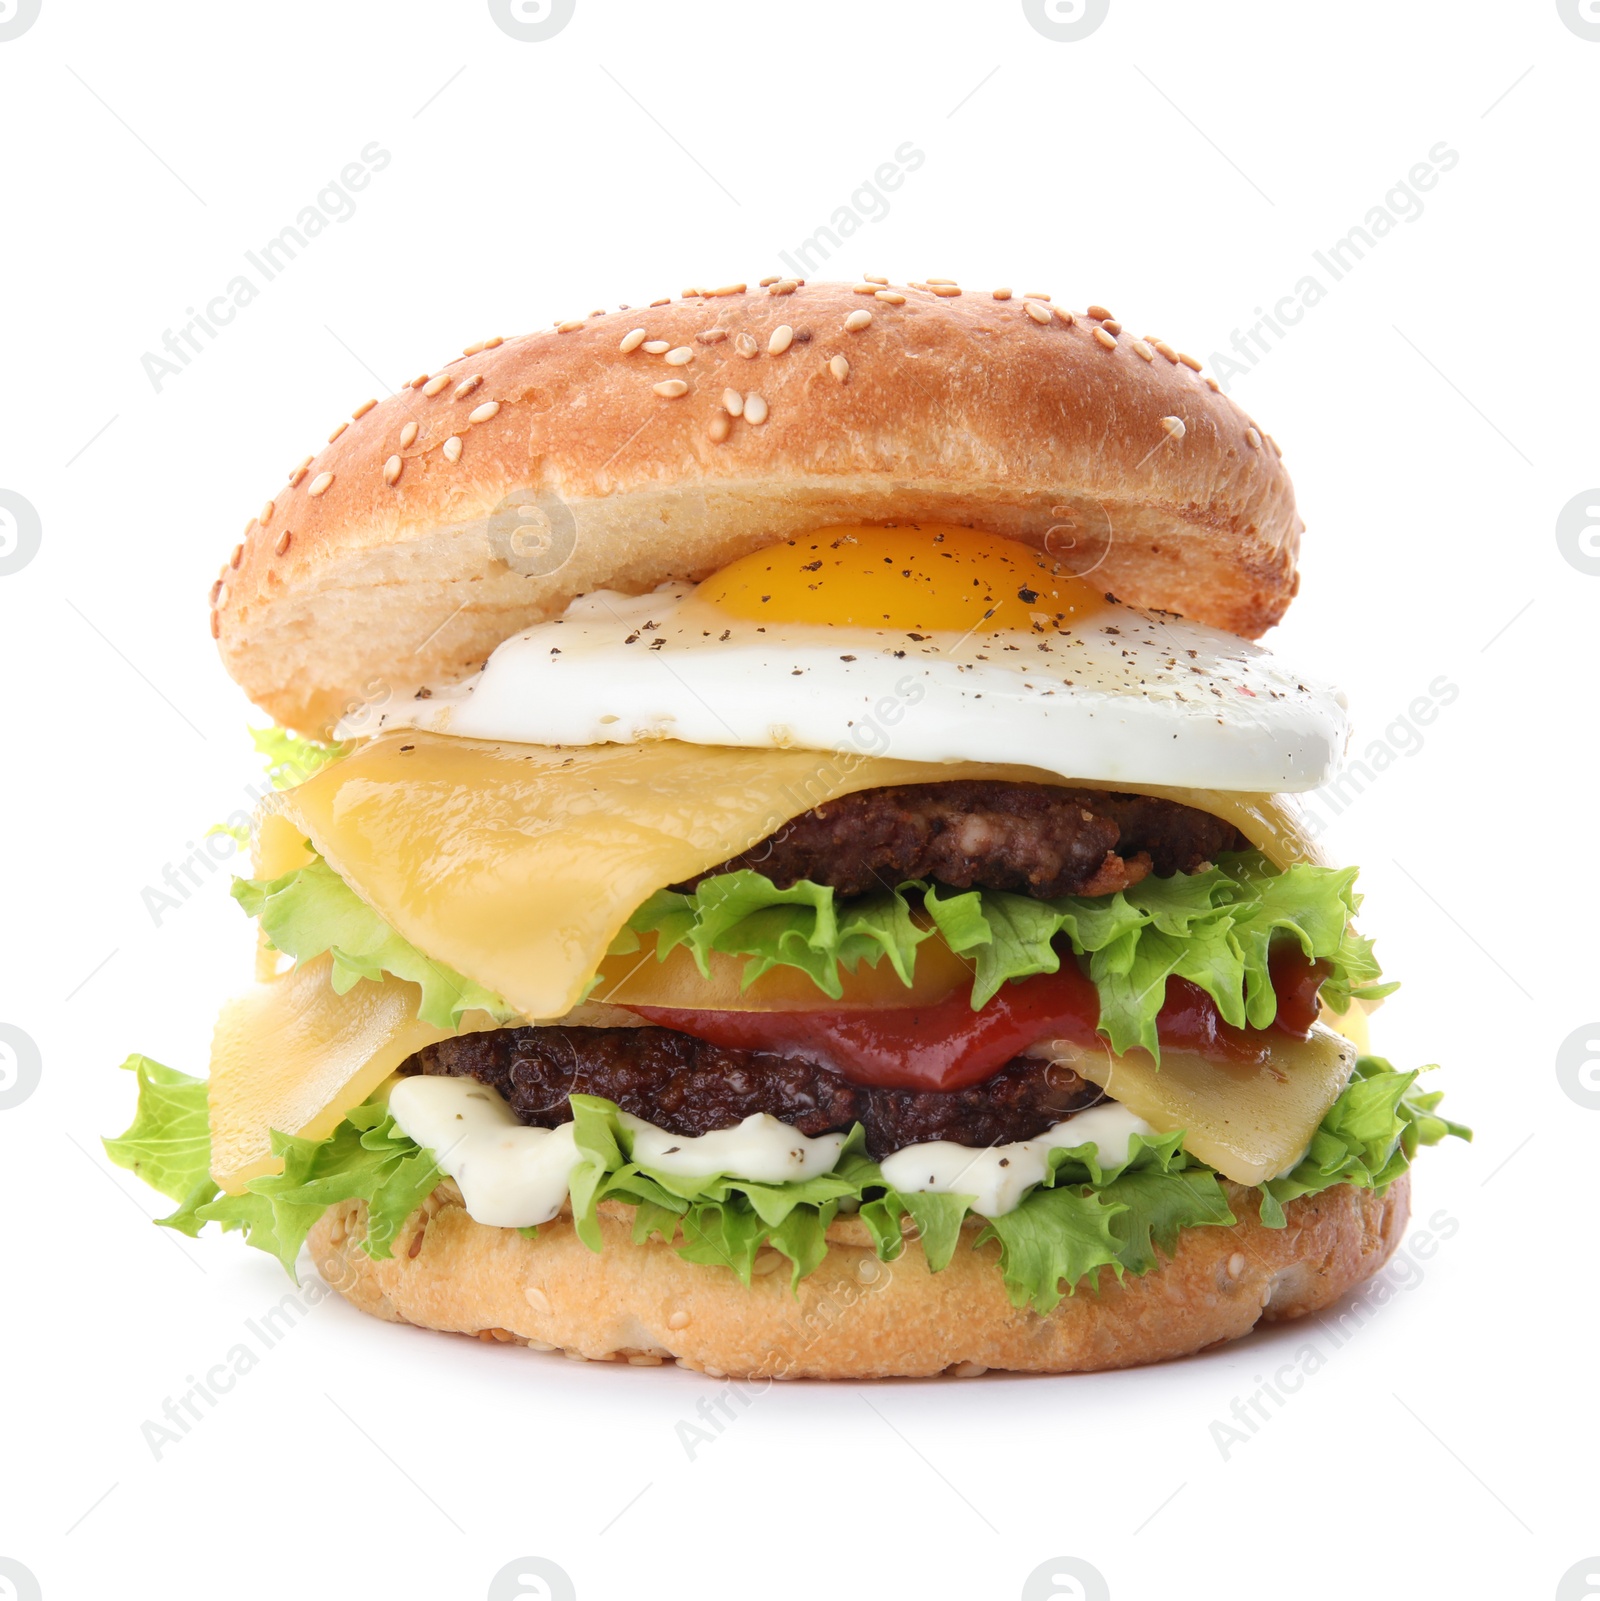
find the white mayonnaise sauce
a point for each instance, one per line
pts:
(997, 1176)
(512, 1176)
(760, 1148)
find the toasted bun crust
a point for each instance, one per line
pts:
(855, 1317)
(391, 560)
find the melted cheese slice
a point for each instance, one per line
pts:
(518, 864)
(291, 1055)
(1251, 1122)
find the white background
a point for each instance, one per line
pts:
(1180, 165)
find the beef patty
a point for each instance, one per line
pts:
(1042, 840)
(689, 1087)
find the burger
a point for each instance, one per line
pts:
(786, 857)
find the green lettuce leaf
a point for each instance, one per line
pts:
(1081, 1219)
(312, 910)
(366, 1158)
(1215, 928)
(291, 758)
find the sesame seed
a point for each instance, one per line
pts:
(319, 484)
(671, 388)
(746, 346)
(1108, 340)
(222, 595)
(1190, 362)
(1036, 294)
(418, 381)
(1236, 1264)
(1099, 313)
(873, 278)
(711, 336)
(266, 514)
(768, 282)
(678, 1320)
(890, 298)
(569, 325)
(720, 427)
(216, 626)
(337, 431)
(599, 311)
(868, 288)
(945, 291)
(466, 386)
(408, 434)
(857, 320)
(484, 412)
(656, 347)
(1036, 311)
(1213, 386)
(435, 384)
(1252, 439)
(1065, 315)
(782, 338)
(452, 448)
(1174, 426)
(472, 350)
(728, 289)
(1001, 294)
(840, 368)
(732, 402)
(666, 300)
(691, 294)
(282, 546)
(362, 410)
(297, 473)
(1112, 326)
(755, 410)
(1140, 348)
(216, 589)
(941, 280)
(1166, 350)
(784, 286)
(632, 340)
(237, 556)
(681, 357)
(391, 470)
(498, 340)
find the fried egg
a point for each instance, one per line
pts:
(922, 643)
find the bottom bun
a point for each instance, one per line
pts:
(855, 1317)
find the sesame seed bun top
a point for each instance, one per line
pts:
(625, 448)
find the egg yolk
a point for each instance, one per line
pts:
(915, 578)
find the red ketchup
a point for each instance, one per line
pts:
(948, 1046)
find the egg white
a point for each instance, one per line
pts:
(1125, 697)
